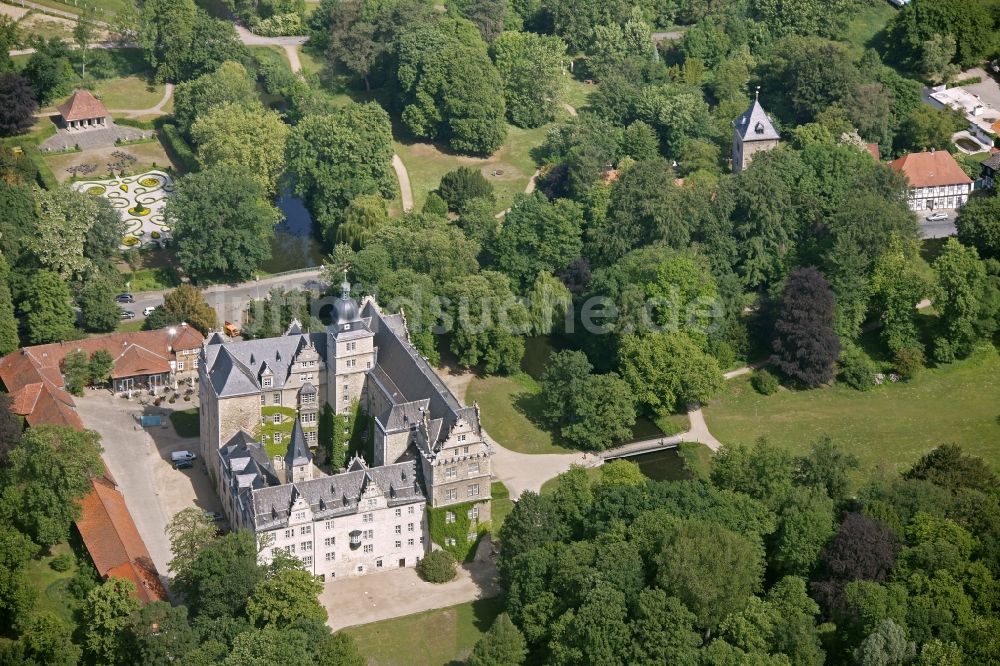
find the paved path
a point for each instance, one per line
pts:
(528, 189)
(251, 39)
(405, 191)
(398, 592)
(139, 461)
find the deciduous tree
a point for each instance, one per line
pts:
(489, 323)
(966, 310)
(529, 65)
(222, 223)
(286, 597)
(187, 304)
(17, 104)
(229, 84)
(49, 640)
(805, 345)
(462, 185)
(49, 312)
(98, 310)
(978, 225)
(106, 616)
(235, 136)
(668, 371)
(189, 532)
(536, 235)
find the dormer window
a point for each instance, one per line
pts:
(759, 128)
(347, 327)
(266, 382)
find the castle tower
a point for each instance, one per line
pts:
(298, 459)
(350, 352)
(753, 133)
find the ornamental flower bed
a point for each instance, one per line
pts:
(143, 217)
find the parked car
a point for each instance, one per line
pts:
(128, 314)
(183, 464)
(125, 298)
(177, 456)
(937, 217)
(213, 515)
(147, 311)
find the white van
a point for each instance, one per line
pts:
(178, 456)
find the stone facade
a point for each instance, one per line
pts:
(753, 132)
(429, 451)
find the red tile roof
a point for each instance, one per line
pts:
(114, 543)
(82, 106)
(931, 169)
(136, 360)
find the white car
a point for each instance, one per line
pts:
(147, 311)
(937, 217)
(178, 456)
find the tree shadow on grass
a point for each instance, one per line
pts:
(529, 405)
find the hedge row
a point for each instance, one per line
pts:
(175, 143)
(134, 122)
(43, 174)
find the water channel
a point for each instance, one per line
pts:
(294, 244)
(663, 465)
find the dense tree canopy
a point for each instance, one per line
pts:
(221, 231)
(449, 88)
(805, 345)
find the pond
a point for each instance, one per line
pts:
(664, 465)
(968, 144)
(294, 244)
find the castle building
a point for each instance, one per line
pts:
(753, 132)
(261, 402)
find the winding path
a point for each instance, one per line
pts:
(157, 110)
(405, 191)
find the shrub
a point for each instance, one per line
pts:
(435, 205)
(764, 382)
(175, 143)
(62, 562)
(154, 234)
(462, 185)
(857, 369)
(437, 567)
(909, 361)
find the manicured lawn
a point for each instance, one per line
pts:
(128, 92)
(186, 422)
(502, 505)
(127, 326)
(152, 279)
(51, 585)
(509, 408)
(697, 458)
(426, 163)
(893, 424)
(434, 638)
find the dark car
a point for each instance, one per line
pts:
(125, 298)
(128, 314)
(183, 464)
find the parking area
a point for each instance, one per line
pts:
(939, 229)
(139, 460)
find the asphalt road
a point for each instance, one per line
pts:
(231, 301)
(937, 229)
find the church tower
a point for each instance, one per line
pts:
(753, 133)
(350, 352)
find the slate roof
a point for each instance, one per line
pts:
(412, 378)
(992, 162)
(298, 450)
(754, 125)
(931, 169)
(234, 368)
(82, 106)
(337, 495)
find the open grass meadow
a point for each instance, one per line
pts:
(437, 637)
(892, 425)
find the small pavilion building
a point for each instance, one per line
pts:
(83, 111)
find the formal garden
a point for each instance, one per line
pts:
(140, 201)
